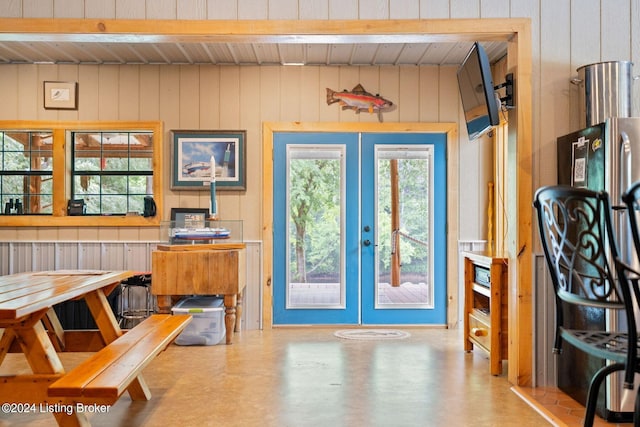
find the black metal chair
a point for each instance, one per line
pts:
(580, 250)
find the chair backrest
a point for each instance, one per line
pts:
(579, 247)
(631, 198)
(631, 256)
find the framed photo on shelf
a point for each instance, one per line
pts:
(189, 217)
(60, 95)
(191, 152)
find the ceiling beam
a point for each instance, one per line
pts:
(312, 31)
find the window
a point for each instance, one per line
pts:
(112, 171)
(26, 173)
(112, 166)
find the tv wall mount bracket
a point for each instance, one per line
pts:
(508, 99)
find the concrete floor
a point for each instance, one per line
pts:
(307, 377)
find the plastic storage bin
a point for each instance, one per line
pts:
(207, 323)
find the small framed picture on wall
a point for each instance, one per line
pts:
(61, 95)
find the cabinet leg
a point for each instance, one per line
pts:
(164, 304)
(230, 304)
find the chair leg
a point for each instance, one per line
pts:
(636, 410)
(594, 388)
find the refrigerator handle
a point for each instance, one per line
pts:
(623, 184)
(625, 166)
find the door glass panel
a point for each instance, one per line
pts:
(315, 224)
(404, 253)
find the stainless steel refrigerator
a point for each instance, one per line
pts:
(601, 157)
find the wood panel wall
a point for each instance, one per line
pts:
(239, 97)
(565, 35)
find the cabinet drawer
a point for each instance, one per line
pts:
(480, 331)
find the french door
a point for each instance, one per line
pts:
(359, 228)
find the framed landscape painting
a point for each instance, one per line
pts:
(192, 151)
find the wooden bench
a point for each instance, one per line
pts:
(104, 377)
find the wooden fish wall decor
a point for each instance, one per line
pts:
(358, 100)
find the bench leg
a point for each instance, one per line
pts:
(72, 420)
(139, 390)
(110, 330)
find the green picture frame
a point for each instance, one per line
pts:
(191, 152)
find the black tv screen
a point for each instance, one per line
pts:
(476, 91)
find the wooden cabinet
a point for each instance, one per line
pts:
(201, 269)
(485, 297)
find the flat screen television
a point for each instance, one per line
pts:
(476, 91)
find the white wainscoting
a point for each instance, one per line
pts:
(544, 362)
(21, 256)
(465, 246)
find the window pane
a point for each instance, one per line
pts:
(46, 164)
(25, 151)
(12, 184)
(42, 144)
(138, 185)
(141, 139)
(87, 160)
(114, 204)
(92, 203)
(15, 161)
(136, 204)
(114, 185)
(15, 141)
(141, 163)
(315, 206)
(118, 159)
(86, 184)
(46, 205)
(403, 228)
(26, 194)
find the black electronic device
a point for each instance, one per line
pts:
(8, 207)
(149, 206)
(479, 100)
(76, 207)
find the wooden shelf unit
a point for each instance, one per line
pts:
(485, 308)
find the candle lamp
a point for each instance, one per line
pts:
(212, 189)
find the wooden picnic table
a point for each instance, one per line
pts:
(28, 323)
